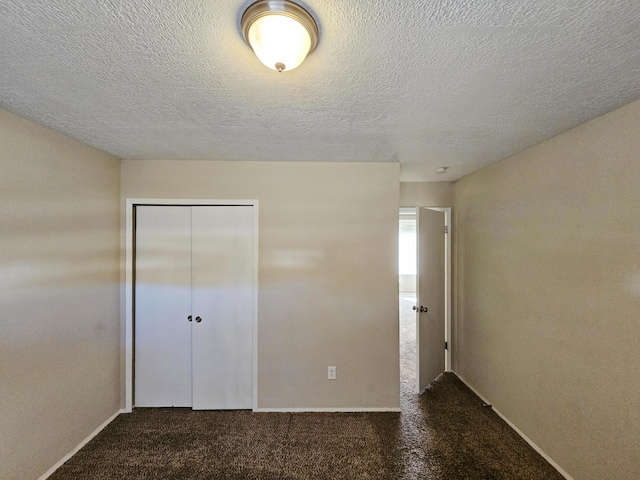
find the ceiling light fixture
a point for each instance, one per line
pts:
(281, 33)
(441, 169)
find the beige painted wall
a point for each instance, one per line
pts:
(426, 194)
(328, 285)
(548, 247)
(59, 317)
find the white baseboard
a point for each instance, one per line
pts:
(46, 474)
(328, 410)
(519, 432)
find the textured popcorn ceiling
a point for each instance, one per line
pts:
(425, 83)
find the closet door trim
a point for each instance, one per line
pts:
(128, 307)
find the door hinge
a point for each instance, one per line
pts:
(446, 345)
(446, 229)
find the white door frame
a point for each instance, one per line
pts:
(128, 287)
(448, 367)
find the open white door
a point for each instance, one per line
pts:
(430, 296)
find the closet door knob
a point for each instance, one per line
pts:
(189, 318)
(198, 319)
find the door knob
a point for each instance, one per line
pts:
(423, 309)
(415, 308)
(189, 318)
(198, 319)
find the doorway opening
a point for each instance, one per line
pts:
(407, 270)
(407, 262)
(424, 273)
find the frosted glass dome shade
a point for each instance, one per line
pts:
(280, 33)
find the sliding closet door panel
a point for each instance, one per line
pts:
(222, 279)
(162, 305)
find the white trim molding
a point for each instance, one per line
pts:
(329, 410)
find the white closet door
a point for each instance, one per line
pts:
(162, 306)
(222, 280)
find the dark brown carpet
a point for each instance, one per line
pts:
(444, 433)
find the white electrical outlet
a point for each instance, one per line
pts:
(331, 373)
